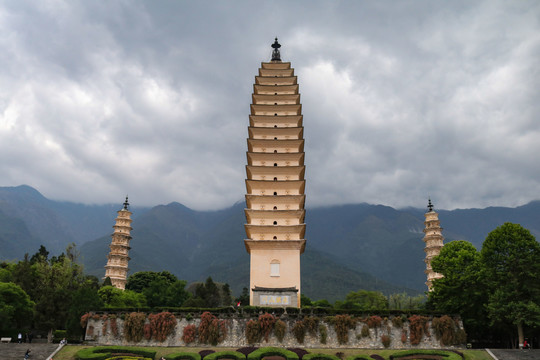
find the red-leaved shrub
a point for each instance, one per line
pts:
(162, 325)
(189, 334)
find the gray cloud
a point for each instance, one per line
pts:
(401, 100)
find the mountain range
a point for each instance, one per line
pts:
(349, 247)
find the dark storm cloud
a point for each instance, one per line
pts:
(401, 100)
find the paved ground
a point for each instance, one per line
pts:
(14, 351)
(507, 354)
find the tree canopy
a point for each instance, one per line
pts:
(461, 290)
(511, 270)
(497, 287)
(16, 308)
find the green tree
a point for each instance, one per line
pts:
(363, 300)
(142, 279)
(305, 301)
(159, 288)
(243, 299)
(211, 294)
(461, 290)
(83, 300)
(57, 280)
(404, 301)
(25, 275)
(41, 255)
(6, 271)
(16, 308)
(322, 303)
(511, 270)
(160, 292)
(114, 297)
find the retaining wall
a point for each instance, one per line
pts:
(236, 334)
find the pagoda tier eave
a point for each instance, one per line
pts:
(276, 73)
(276, 89)
(275, 230)
(251, 244)
(260, 157)
(276, 64)
(276, 81)
(271, 110)
(271, 199)
(279, 119)
(262, 185)
(252, 214)
(270, 99)
(296, 132)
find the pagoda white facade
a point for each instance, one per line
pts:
(434, 242)
(275, 186)
(117, 260)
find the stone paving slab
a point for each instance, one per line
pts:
(508, 354)
(14, 351)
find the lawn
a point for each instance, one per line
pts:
(68, 352)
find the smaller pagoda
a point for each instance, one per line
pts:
(117, 261)
(434, 242)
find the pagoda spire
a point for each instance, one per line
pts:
(276, 56)
(117, 260)
(434, 242)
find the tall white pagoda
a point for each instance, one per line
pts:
(117, 261)
(434, 242)
(275, 186)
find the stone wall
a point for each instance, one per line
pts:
(236, 334)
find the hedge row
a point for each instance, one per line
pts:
(272, 351)
(106, 352)
(183, 356)
(358, 357)
(225, 355)
(256, 310)
(320, 357)
(448, 355)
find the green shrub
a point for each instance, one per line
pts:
(105, 352)
(252, 331)
(323, 333)
(358, 357)
(272, 351)
(365, 331)
(320, 357)
(280, 329)
(448, 355)
(183, 356)
(299, 331)
(311, 323)
(225, 355)
(123, 357)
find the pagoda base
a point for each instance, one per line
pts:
(275, 297)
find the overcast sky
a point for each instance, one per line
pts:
(401, 99)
